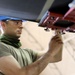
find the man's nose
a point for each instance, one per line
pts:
(20, 25)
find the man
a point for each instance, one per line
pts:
(16, 61)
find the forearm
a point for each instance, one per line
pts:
(38, 66)
(57, 57)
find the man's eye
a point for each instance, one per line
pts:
(17, 22)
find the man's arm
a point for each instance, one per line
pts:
(57, 57)
(9, 66)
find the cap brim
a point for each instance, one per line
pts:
(9, 18)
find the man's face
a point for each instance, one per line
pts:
(13, 28)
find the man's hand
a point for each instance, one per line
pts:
(55, 45)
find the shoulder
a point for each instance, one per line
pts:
(4, 46)
(4, 50)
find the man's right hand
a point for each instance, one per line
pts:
(55, 45)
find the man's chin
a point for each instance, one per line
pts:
(18, 36)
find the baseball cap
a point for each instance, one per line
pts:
(9, 18)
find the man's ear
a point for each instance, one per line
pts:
(3, 24)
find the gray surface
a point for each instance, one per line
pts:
(27, 9)
(31, 9)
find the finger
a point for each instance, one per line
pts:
(58, 31)
(57, 37)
